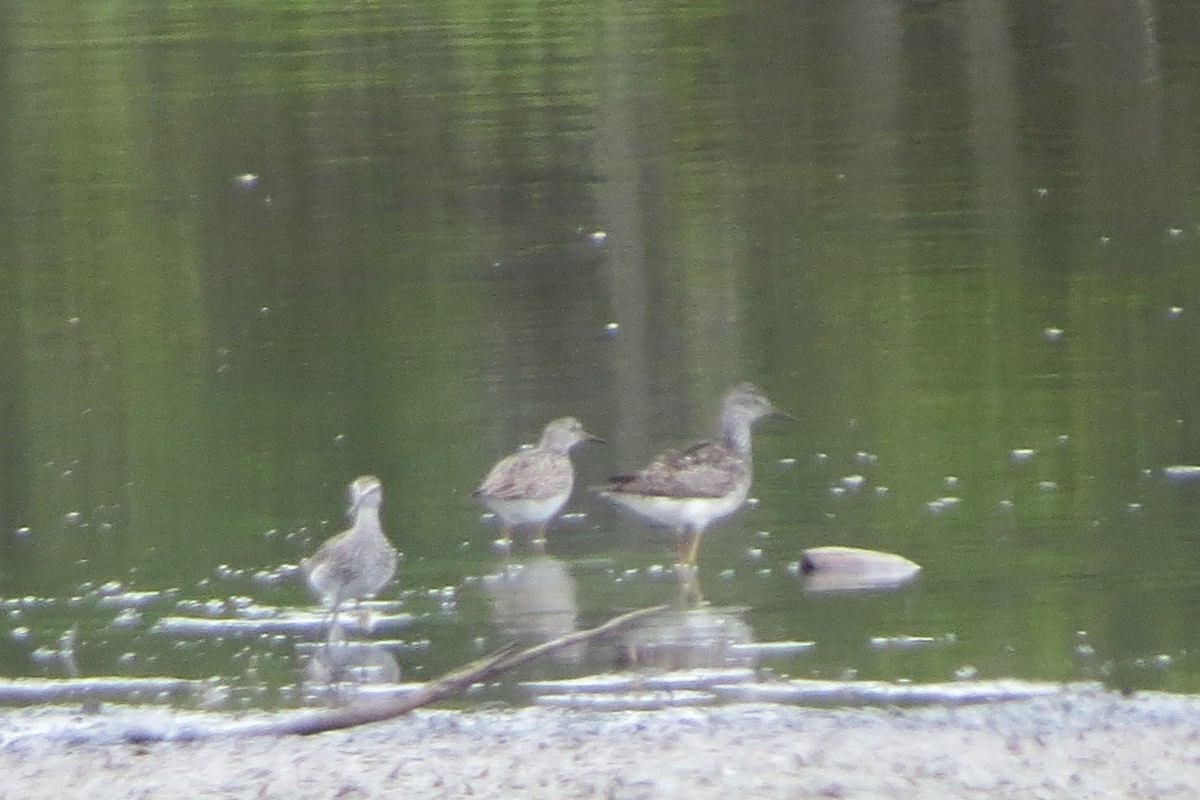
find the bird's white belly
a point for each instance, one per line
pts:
(681, 512)
(527, 512)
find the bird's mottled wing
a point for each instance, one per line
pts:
(527, 475)
(335, 559)
(705, 469)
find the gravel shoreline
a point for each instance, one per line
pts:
(1087, 743)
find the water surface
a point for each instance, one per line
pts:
(252, 252)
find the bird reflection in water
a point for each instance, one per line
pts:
(691, 638)
(534, 601)
(334, 670)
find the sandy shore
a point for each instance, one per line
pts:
(1077, 744)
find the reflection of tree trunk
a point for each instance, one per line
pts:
(14, 465)
(990, 79)
(1114, 61)
(871, 87)
(619, 199)
(997, 202)
(674, 288)
(109, 293)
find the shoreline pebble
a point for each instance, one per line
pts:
(1080, 743)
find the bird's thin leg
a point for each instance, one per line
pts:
(334, 623)
(686, 570)
(694, 547)
(681, 546)
(365, 620)
(503, 545)
(539, 537)
(689, 585)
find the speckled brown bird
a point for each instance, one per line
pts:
(688, 489)
(532, 485)
(358, 562)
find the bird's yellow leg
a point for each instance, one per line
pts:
(686, 569)
(694, 547)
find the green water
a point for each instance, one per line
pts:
(250, 251)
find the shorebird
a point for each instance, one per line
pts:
(358, 562)
(530, 486)
(688, 489)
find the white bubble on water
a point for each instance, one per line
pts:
(943, 504)
(853, 482)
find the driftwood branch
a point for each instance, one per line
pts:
(448, 685)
